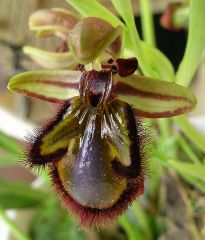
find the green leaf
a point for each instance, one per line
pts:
(53, 223)
(194, 135)
(142, 219)
(188, 150)
(19, 195)
(10, 145)
(93, 8)
(48, 85)
(159, 64)
(153, 98)
(194, 181)
(195, 43)
(194, 170)
(131, 230)
(51, 60)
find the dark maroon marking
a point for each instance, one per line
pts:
(110, 67)
(94, 86)
(94, 98)
(60, 84)
(135, 168)
(93, 217)
(110, 61)
(32, 152)
(127, 67)
(81, 67)
(63, 84)
(162, 114)
(126, 89)
(40, 97)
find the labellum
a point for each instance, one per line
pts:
(94, 151)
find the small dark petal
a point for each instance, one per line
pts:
(127, 67)
(88, 217)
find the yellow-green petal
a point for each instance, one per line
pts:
(154, 98)
(47, 85)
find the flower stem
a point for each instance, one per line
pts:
(15, 230)
(149, 37)
(147, 22)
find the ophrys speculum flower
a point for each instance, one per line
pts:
(94, 147)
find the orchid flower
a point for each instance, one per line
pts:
(94, 147)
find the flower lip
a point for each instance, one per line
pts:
(94, 217)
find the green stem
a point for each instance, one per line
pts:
(191, 132)
(15, 230)
(147, 22)
(195, 43)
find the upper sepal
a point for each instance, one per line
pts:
(91, 36)
(48, 85)
(154, 98)
(50, 22)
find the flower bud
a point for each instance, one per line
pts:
(175, 17)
